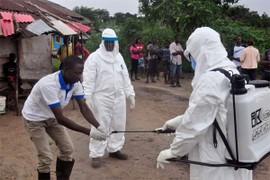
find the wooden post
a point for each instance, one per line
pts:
(82, 45)
(17, 77)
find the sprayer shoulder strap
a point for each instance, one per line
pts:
(225, 141)
(216, 125)
(223, 71)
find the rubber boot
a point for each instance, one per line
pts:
(43, 176)
(63, 169)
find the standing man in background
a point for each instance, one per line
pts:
(153, 56)
(237, 51)
(176, 51)
(166, 58)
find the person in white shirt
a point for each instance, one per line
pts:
(43, 115)
(237, 51)
(176, 51)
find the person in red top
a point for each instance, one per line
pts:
(136, 51)
(79, 50)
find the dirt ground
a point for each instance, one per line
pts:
(155, 103)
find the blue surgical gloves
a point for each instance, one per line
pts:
(101, 133)
(162, 158)
(131, 101)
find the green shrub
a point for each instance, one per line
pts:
(55, 64)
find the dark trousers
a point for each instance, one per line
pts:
(152, 68)
(134, 67)
(166, 68)
(251, 73)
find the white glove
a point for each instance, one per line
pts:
(99, 134)
(163, 156)
(131, 102)
(173, 123)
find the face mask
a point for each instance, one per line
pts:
(193, 63)
(109, 45)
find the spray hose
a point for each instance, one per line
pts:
(248, 166)
(236, 165)
(151, 131)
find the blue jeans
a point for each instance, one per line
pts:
(175, 70)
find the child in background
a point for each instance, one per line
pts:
(141, 67)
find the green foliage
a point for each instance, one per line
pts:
(93, 43)
(163, 19)
(55, 64)
(97, 16)
(130, 29)
(157, 32)
(230, 30)
(181, 16)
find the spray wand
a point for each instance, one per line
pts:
(151, 131)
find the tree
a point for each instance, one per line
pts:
(97, 16)
(180, 15)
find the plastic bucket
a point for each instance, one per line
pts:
(2, 104)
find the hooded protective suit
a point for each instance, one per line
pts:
(107, 85)
(194, 134)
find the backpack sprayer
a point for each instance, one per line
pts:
(248, 126)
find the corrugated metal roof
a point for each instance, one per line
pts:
(7, 27)
(6, 15)
(23, 18)
(24, 32)
(60, 10)
(9, 5)
(30, 6)
(30, 10)
(39, 27)
(78, 27)
(63, 28)
(7, 22)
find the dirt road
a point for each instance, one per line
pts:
(155, 103)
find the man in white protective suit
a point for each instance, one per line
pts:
(107, 86)
(194, 129)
